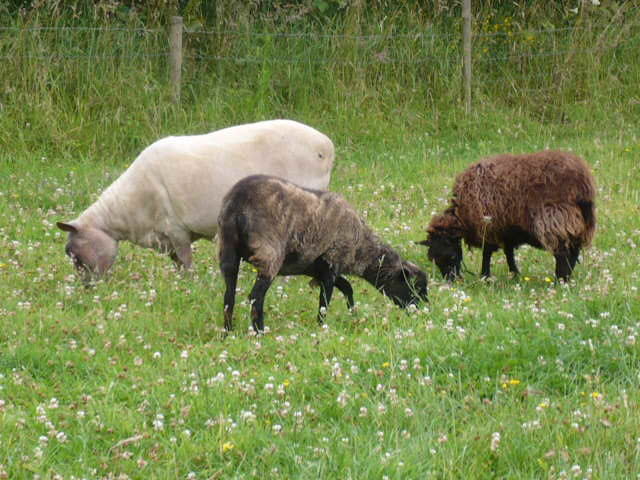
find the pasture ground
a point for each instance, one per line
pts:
(513, 378)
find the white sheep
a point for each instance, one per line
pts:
(171, 194)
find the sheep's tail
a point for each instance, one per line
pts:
(242, 227)
(588, 210)
(232, 233)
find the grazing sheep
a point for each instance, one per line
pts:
(543, 199)
(283, 229)
(171, 194)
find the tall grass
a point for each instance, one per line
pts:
(77, 87)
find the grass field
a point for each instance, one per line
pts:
(132, 378)
(515, 378)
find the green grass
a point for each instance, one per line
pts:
(133, 377)
(553, 369)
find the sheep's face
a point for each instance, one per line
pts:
(446, 252)
(91, 250)
(407, 286)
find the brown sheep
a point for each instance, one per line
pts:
(283, 229)
(544, 199)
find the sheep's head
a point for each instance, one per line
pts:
(92, 250)
(444, 241)
(406, 286)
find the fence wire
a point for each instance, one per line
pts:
(487, 63)
(383, 36)
(82, 29)
(57, 56)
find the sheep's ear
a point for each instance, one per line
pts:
(410, 268)
(67, 227)
(426, 242)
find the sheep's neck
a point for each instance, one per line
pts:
(383, 261)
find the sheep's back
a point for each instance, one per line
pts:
(195, 172)
(285, 221)
(515, 190)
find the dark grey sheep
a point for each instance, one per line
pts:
(283, 229)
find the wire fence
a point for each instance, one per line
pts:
(537, 53)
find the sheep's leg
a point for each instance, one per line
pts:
(327, 280)
(509, 251)
(565, 262)
(487, 251)
(344, 286)
(574, 253)
(256, 297)
(229, 265)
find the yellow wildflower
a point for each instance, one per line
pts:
(227, 446)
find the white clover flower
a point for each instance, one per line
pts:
(247, 416)
(495, 441)
(158, 423)
(343, 399)
(532, 425)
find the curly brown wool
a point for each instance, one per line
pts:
(544, 199)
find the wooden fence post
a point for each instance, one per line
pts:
(466, 46)
(175, 57)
